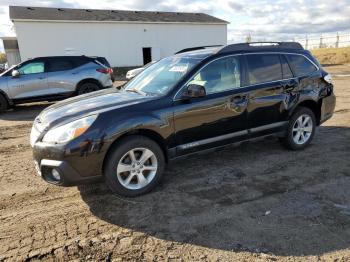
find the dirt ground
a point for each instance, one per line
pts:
(254, 202)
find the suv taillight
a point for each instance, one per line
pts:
(328, 79)
(105, 70)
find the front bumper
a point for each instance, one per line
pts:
(73, 166)
(68, 176)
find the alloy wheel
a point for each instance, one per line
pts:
(137, 168)
(302, 129)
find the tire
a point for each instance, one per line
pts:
(128, 183)
(3, 104)
(295, 141)
(87, 88)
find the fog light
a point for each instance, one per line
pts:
(55, 174)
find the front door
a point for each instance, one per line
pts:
(32, 81)
(218, 118)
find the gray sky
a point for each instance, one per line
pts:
(263, 19)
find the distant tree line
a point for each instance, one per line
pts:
(3, 58)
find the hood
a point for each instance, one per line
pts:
(93, 103)
(136, 70)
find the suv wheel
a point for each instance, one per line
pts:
(3, 104)
(301, 129)
(87, 88)
(134, 167)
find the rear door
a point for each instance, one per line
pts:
(61, 75)
(32, 81)
(267, 107)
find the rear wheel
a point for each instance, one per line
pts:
(134, 167)
(87, 88)
(301, 129)
(3, 104)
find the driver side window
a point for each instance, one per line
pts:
(32, 68)
(219, 76)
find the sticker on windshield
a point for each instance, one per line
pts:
(179, 68)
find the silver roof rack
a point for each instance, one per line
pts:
(196, 48)
(260, 45)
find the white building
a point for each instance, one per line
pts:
(125, 38)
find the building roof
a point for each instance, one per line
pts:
(91, 15)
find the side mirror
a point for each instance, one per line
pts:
(15, 73)
(194, 91)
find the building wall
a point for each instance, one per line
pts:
(120, 43)
(11, 50)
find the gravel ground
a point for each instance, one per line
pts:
(256, 201)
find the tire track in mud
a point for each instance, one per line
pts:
(14, 129)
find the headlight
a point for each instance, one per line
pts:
(67, 132)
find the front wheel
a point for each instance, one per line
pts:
(3, 104)
(301, 129)
(134, 167)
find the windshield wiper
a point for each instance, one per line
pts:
(135, 91)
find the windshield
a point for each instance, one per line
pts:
(161, 77)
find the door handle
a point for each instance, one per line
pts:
(239, 101)
(288, 86)
(41, 77)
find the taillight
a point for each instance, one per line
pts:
(328, 79)
(105, 70)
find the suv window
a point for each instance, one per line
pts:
(32, 68)
(220, 75)
(264, 68)
(300, 65)
(55, 65)
(80, 60)
(287, 73)
(161, 77)
(103, 61)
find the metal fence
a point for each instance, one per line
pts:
(324, 41)
(335, 40)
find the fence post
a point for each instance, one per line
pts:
(337, 42)
(306, 42)
(248, 38)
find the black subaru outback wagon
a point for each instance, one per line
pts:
(183, 104)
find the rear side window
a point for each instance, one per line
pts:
(103, 61)
(301, 65)
(79, 61)
(264, 68)
(56, 65)
(287, 73)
